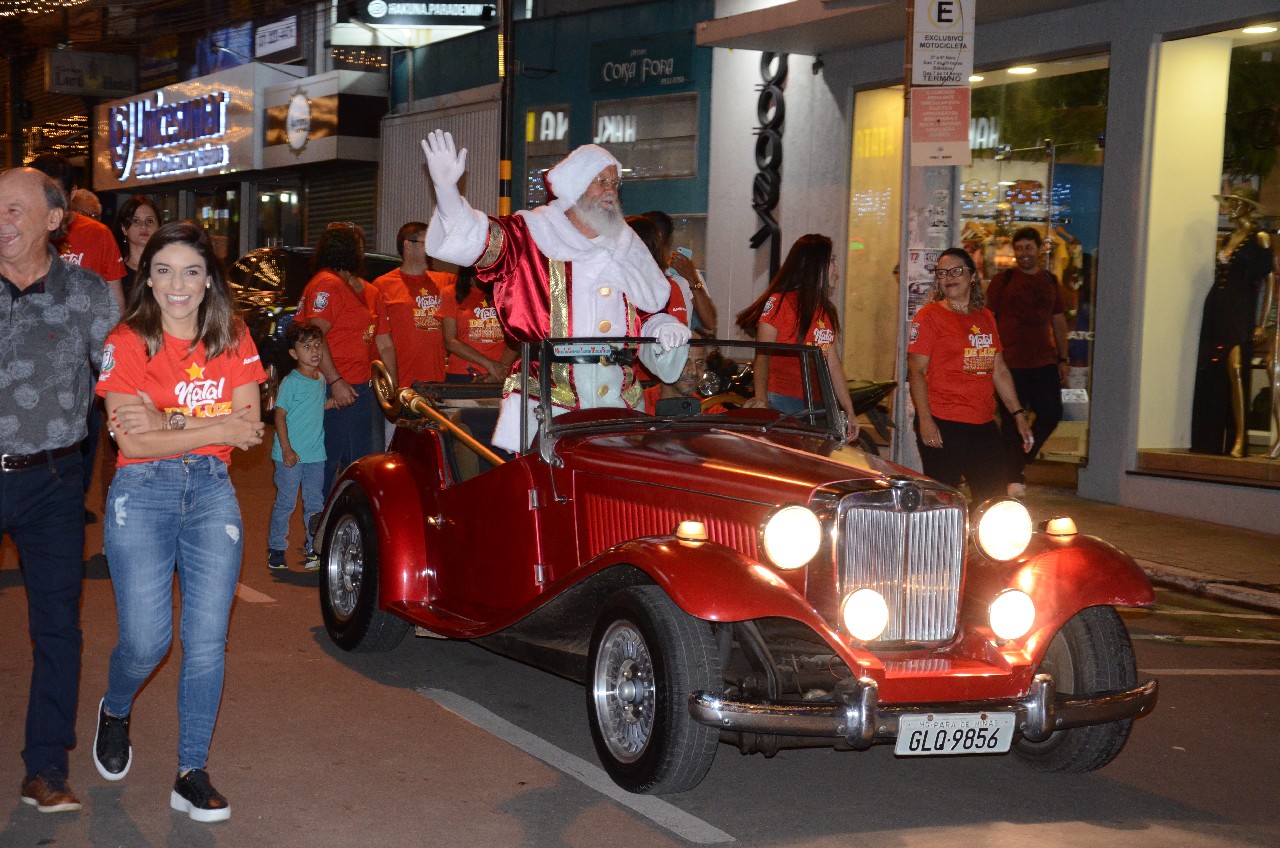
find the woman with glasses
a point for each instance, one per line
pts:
(137, 220)
(796, 308)
(956, 370)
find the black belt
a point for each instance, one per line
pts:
(23, 461)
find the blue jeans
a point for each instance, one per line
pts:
(308, 475)
(785, 403)
(163, 515)
(348, 434)
(42, 510)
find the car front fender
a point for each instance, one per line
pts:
(393, 493)
(716, 583)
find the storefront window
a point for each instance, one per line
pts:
(1208, 379)
(546, 142)
(279, 213)
(218, 211)
(656, 136)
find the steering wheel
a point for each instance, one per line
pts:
(725, 398)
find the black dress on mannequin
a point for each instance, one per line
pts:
(1228, 322)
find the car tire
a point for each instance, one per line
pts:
(349, 580)
(1090, 654)
(647, 655)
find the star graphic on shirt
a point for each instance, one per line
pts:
(975, 329)
(423, 291)
(195, 372)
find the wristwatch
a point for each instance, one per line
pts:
(175, 421)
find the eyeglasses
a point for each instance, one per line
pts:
(143, 222)
(939, 273)
(616, 185)
(414, 241)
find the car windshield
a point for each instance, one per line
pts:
(711, 386)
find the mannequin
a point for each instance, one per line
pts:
(1268, 327)
(1228, 330)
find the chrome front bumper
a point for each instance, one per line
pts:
(858, 718)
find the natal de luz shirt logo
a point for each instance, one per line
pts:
(823, 335)
(198, 397)
(980, 356)
(424, 315)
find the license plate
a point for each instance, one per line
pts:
(942, 734)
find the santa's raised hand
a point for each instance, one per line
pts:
(446, 164)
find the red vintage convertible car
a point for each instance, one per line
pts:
(735, 575)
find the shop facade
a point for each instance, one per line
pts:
(631, 79)
(1114, 146)
(255, 154)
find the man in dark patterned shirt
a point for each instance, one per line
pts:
(53, 320)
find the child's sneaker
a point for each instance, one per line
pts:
(311, 562)
(275, 559)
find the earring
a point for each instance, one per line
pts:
(148, 284)
(208, 285)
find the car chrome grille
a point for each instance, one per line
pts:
(912, 557)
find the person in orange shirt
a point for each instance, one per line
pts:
(353, 318)
(413, 294)
(473, 335)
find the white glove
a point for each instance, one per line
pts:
(446, 165)
(672, 335)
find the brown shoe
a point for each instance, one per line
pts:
(48, 792)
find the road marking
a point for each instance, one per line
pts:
(1213, 672)
(252, 596)
(1228, 640)
(674, 819)
(1259, 616)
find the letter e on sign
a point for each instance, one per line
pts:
(945, 12)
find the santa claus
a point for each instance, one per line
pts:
(570, 268)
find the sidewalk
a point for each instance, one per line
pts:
(1224, 563)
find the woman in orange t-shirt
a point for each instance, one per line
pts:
(180, 378)
(955, 370)
(796, 308)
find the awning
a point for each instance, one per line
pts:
(815, 27)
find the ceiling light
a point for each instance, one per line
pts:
(976, 78)
(1258, 30)
(1021, 70)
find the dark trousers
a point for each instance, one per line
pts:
(1040, 393)
(42, 510)
(89, 447)
(969, 452)
(349, 434)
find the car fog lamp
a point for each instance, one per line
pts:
(1060, 526)
(1004, 530)
(791, 536)
(691, 531)
(865, 614)
(1012, 614)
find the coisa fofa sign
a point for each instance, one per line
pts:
(655, 61)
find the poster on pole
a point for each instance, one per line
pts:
(942, 46)
(940, 126)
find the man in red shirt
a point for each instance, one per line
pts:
(412, 297)
(1030, 317)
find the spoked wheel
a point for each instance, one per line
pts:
(349, 580)
(647, 656)
(1091, 654)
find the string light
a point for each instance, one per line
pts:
(10, 8)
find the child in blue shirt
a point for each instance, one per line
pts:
(298, 448)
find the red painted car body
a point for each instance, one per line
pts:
(568, 557)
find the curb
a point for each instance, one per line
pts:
(1260, 597)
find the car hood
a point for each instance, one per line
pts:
(745, 466)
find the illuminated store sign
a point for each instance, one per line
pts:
(155, 140)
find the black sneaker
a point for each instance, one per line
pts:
(112, 753)
(311, 560)
(275, 559)
(194, 795)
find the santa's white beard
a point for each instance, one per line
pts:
(606, 221)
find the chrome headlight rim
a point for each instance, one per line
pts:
(789, 519)
(1002, 516)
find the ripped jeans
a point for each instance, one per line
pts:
(165, 515)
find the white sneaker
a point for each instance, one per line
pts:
(1017, 490)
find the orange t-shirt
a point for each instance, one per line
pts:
(412, 302)
(179, 379)
(89, 244)
(782, 312)
(354, 319)
(478, 328)
(962, 356)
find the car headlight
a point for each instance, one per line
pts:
(1012, 614)
(865, 614)
(791, 536)
(1004, 529)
